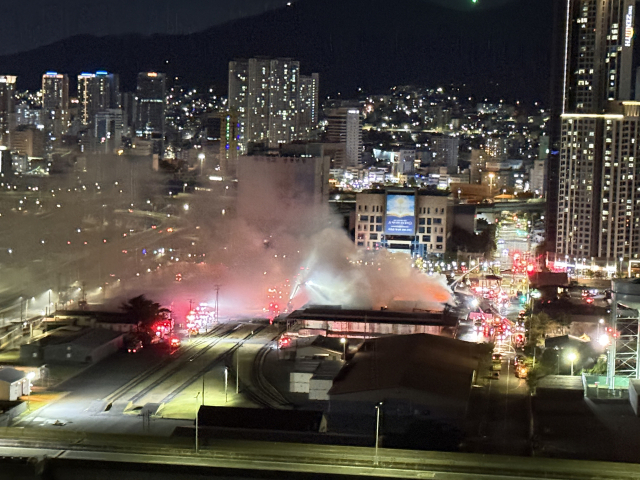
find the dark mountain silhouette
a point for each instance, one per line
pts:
(373, 44)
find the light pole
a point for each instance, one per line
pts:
(201, 158)
(378, 407)
(30, 377)
(197, 408)
(226, 378)
(571, 356)
(238, 370)
(343, 341)
(600, 322)
(203, 388)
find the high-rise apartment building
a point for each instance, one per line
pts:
(345, 127)
(444, 150)
(598, 200)
(258, 108)
(238, 97)
(308, 105)
(266, 96)
(55, 103)
(284, 85)
(150, 108)
(97, 92)
(7, 107)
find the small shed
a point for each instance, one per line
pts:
(13, 384)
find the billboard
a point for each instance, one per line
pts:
(401, 215)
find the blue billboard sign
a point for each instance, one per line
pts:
(401, 215)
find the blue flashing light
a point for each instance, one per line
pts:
(144, 251)
(52, 73)
(227, 146)
(85, 74)
(102, 72)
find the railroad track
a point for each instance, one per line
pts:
(169, 373)
(265, 394)
(222, 357)
(181, 353)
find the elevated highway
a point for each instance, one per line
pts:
(62, 455)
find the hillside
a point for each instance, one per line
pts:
(373, 44)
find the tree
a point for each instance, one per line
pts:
(143, 310)
(540, 324)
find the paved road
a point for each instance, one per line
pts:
(499, 413)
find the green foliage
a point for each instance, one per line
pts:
(600, 368)
(540, 324)
(143, 310)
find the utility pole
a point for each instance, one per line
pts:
(238, 369)
(226, 378)
(217, 309)
(197, 408)
(378, 407)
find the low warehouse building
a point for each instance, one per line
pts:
(414, 379)
(72, 345)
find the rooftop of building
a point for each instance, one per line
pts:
(99, 316)
(11, 375)
(333, 313)
(427, 363)
(86, 337)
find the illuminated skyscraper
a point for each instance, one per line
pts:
(97, 92)
(7, 107)
(55, 103)
(598, 202)
(150, 111)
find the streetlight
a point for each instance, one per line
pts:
(600, 322)
(30, 376)
(378, 407)
(238, 369)
(343, 341)
(491, 177)
(226, 378)
(201, 158)
(197, 408)
(571, 356)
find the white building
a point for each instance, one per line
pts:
(13, 384)
(599, 200)
(345, 128)
(421, 229)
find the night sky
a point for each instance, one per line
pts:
(34, 23)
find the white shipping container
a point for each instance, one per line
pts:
(299, 387)
(300, 377)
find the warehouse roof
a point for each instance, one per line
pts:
(88, 337)
(431, 363)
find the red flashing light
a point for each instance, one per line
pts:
(530, 268)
